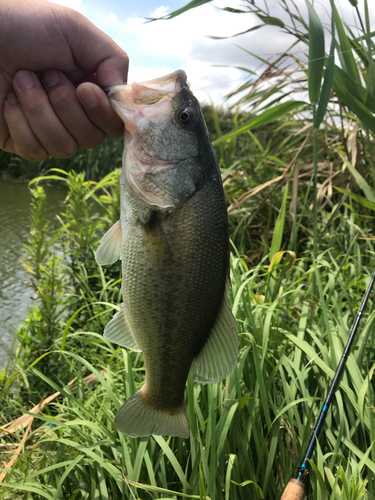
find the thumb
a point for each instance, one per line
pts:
(113, 69)
(96, 52)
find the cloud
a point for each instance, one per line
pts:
(160, 47)
(181, 43)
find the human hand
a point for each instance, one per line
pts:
(46, 50)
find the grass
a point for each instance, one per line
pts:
(248, 434)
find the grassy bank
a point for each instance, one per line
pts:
(248, 433)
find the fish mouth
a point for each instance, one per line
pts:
(146, 176)
(150, 99)
(157, 87)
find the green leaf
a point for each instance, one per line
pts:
(316, 54)
(362, 183)
(173, 460)
(228, 475)
(355, 105)
(279, 227)
(234, 11)
(327, 85)
(71, 319)
(346, 55)
(31, 488)
(257, 487)
(272, 21)
(191, 5)
(355, 88)
(253, 28)
(359, 199)
(370, 48)
(267, 116)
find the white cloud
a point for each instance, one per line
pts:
(182, 43)
(160, 11)
(161, 47)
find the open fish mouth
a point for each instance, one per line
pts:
(166, 84)
(150, 99)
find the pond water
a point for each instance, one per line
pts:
(15, 296)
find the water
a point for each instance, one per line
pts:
(15, 296)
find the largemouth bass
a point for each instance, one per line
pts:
(173, 240)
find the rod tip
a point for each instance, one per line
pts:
(295, 490)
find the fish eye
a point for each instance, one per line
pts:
(185, 116)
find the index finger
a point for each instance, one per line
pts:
(98, 108)
(96, 52)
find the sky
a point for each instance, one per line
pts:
(158, 48)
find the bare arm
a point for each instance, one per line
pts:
(46, 50)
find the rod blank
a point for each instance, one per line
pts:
(295, 487)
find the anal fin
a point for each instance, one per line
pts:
(219, 355)
(109, 250)
(118, 331)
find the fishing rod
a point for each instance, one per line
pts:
(295, 489)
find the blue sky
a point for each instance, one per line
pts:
(161, 47)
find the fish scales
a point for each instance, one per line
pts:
(172, 305)
(173, 241)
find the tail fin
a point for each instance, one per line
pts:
(136, 418)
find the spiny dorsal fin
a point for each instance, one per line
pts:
(220, 353)
(109, 250)
(118, 331)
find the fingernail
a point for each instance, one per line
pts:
(51, 77)
(12, 98)
(24, 79)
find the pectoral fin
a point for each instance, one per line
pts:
(155, 241)
(220, 353)
(118, 331)
(109, 250)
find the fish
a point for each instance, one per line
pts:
(173, 241)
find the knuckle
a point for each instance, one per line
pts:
(93, 140)
(32, 153)
(35, 107)
(61, 100)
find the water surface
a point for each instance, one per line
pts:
(15, 296)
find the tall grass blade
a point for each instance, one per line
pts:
(328, 79)
(316, 54)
